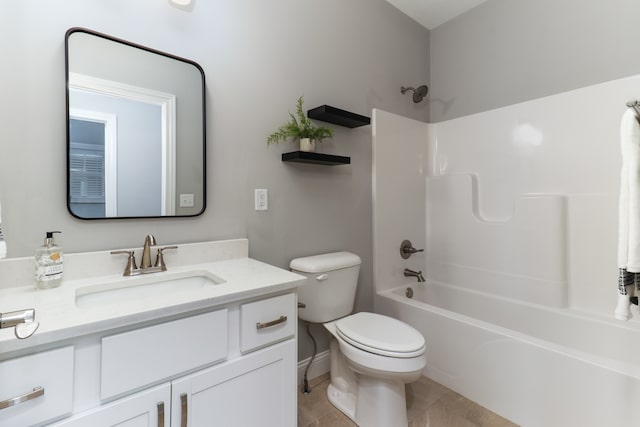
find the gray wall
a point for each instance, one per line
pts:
(508, 51)
(258, 56)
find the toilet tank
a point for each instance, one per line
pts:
(330, 289)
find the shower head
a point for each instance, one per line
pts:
(418, 93)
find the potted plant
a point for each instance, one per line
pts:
(300, 128)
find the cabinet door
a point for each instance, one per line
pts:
(254, 390)
(36, 388)
(149, 408)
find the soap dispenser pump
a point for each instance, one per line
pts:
(49, 263)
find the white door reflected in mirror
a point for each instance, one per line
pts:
(111, 127)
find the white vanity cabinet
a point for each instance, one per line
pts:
(210, 342)
(254, 390)
(232, 366)
(149, 408)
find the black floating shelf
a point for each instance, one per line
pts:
(334, 115)
(315, 158)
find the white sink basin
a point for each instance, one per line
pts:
(144, 287)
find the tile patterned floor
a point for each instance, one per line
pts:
(429, 405)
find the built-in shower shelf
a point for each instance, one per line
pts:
(329, 114)
(315, 158)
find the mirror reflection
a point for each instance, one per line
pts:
(135, 130)
(3, 244)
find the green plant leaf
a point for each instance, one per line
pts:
(300, 126)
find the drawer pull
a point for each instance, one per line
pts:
(282, 319)
(160, 414)
(37, 392)
(183, 409)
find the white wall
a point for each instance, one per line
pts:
(258, 58)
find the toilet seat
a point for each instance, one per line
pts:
(381, 335)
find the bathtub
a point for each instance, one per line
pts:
(536, 366)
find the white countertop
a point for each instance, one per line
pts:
(60, 318)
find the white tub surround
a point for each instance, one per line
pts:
(523, 258)
(156, 347)
(520, 224)
(400, 166)
(543, 151)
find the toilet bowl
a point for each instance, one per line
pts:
(372, 356)
(375, 395)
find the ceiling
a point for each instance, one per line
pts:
(431, 13)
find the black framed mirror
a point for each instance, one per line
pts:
(135, 130)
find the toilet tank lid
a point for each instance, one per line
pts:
(325, 262)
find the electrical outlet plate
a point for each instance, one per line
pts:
(261, 199)
(186, 200)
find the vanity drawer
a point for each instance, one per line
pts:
(52, 371)
(138, 358)
(267, 321)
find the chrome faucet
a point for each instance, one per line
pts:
(146, 251)
(416, 274)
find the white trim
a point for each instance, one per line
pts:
(110, 122)
(168, 115)
(167, 104)
(320, 366)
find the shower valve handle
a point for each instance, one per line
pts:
(407, 249)
(413, 250)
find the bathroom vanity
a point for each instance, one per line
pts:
(211, 341)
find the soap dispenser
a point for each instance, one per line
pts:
(49, 265)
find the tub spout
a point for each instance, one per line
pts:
(416, 274)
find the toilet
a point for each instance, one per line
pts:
(372, 356)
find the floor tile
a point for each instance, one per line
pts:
(429, 404)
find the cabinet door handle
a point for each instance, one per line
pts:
(282, 319)
(37, 392)
(160, 414)
(183, 410)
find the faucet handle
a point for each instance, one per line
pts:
(160, 257)
(131, 262)
(407, 249)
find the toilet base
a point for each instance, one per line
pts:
(365, 409)
(345, 402)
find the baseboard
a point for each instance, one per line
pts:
(320, 366)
